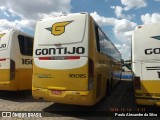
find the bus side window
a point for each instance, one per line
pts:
(104, 45)
(26, 45)
(97, 38)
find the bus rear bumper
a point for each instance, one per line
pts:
(65, 97)
(148, 101)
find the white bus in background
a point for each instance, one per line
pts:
(146, 64)
(15, 60)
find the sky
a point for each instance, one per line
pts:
(117, 18)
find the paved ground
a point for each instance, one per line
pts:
(122, 99)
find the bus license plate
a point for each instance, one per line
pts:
(56, 92)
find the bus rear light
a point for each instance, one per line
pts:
(44, 58)
(91, 68)
(60, 58)
(91, 74)
(73, 57)
(137, 83)
(12, 69)
(139, 26)
(3, 59)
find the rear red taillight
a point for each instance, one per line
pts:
(91, 74)
(137, 83)
(44, 58)
(72, 57)
(91, 68)
(139, 26)
(12, 69)
(3, 59)
(60, 58)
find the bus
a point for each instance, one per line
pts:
(74, 62)
(146, 64)
(15, 60)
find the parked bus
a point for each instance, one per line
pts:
(15, 60)
(74, 62)
(146, 64)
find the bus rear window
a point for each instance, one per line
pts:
(26, 45)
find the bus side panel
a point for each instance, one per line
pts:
(8, 77)
(23, 64)
(104, 66)
(5, 70)
(4, 75)
(100, 69)
(102, 75)
(25, 81)
(6, 83)
(151, 87)
(151, 78)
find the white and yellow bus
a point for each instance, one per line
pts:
(146, 64)
(15, 60)
(74, 62)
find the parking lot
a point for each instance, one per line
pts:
(121, 100)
